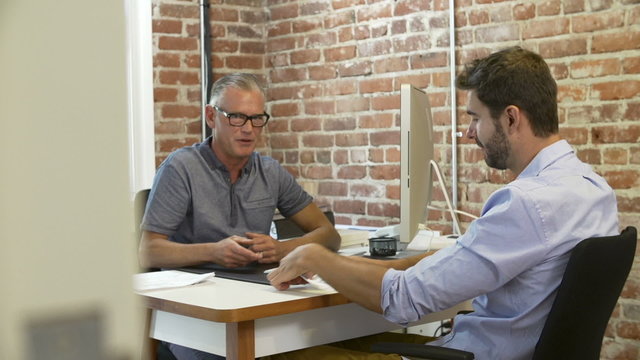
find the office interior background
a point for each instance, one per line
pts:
(334, 69)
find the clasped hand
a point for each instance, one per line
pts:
(236, 251)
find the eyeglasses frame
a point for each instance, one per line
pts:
(242, 116)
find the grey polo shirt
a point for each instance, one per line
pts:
(193, 201)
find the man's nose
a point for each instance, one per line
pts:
(471, 132)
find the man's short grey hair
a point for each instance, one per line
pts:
(241, 81)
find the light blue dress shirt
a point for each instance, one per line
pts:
(511, 260)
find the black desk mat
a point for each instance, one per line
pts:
(253, 272)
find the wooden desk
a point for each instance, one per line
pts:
(242, 320)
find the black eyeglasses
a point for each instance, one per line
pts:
(239, 119)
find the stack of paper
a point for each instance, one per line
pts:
(167, 279)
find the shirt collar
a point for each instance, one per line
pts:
(204, 148)
(546, 157)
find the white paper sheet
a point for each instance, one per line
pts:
(167, 279)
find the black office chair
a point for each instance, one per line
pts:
(287, 229)
(574, 329)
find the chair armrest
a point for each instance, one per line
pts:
(423, 351)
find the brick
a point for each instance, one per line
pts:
(287, 75)
(322, 39)
(354, 68)
(383, 209)
(373, 12)
(169, 127)
(595, 68)
(306, 25)
(322, 72)
(333, 188)
(347, 105)
(252, 47)
(375, 121)
(323, 157)
(573, 6)
(253, 16)
(407, 7)
(631, 65)
(385, 102)
(177, 43)
(352, 172)
(306, 124)
(244, 62)
(575, 136)
(313, 8)
(220, 14)
(384, 172)
(170, 145)
(358, 156)
(429, 60)
(391, 64)
(339, 87)
(340, 157)
(278, 125)
(245, 31)
(316, 172)
(340, 4)
(362, 32)
(421, 81)
(318, 141)
(284, 141)
(355, 139)
(379, 30)
(478, 17)
(590, 156)
(376, 85)
(628, 330)
(384, 138)
(621, 179)
(275, 45)
(224, 46)
(374, 48)
(398, 27)
(497, 33)
(179, 11)
(340, 124)
(170, 77)
(349, 206)
(615, 134)
(366, 190)
(291, 157)
(565, 47)
(339, 53)
(284, 109)
(615, 42)
(286, 11)
(633, 112)
(192, 61)
(615, 156)
(319, 107)
(616, 90)
(545, 28)
(345, 34)
(163, 59)
(597, 21)
(549, 8)
(167, 26)
(165, 94)
(412, 43)
(577, 92)
(376, 155)
(339, 19)
(304, 56)
(278, 29)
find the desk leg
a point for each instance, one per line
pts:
(241, 341)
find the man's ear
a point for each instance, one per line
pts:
(514, 118)
(210, 113)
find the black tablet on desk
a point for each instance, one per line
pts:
(253, 272)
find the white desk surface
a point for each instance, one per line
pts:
(220, 315)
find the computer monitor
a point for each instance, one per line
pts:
(416, 153)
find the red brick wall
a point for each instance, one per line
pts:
(334, 70)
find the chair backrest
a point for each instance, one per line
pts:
(287, 229)
(140, 203)
(592, 282)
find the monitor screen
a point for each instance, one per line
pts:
(416, 153)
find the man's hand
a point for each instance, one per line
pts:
(233, 252)
(292, 267)
(272, 250)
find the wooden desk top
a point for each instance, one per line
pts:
(224, 300)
